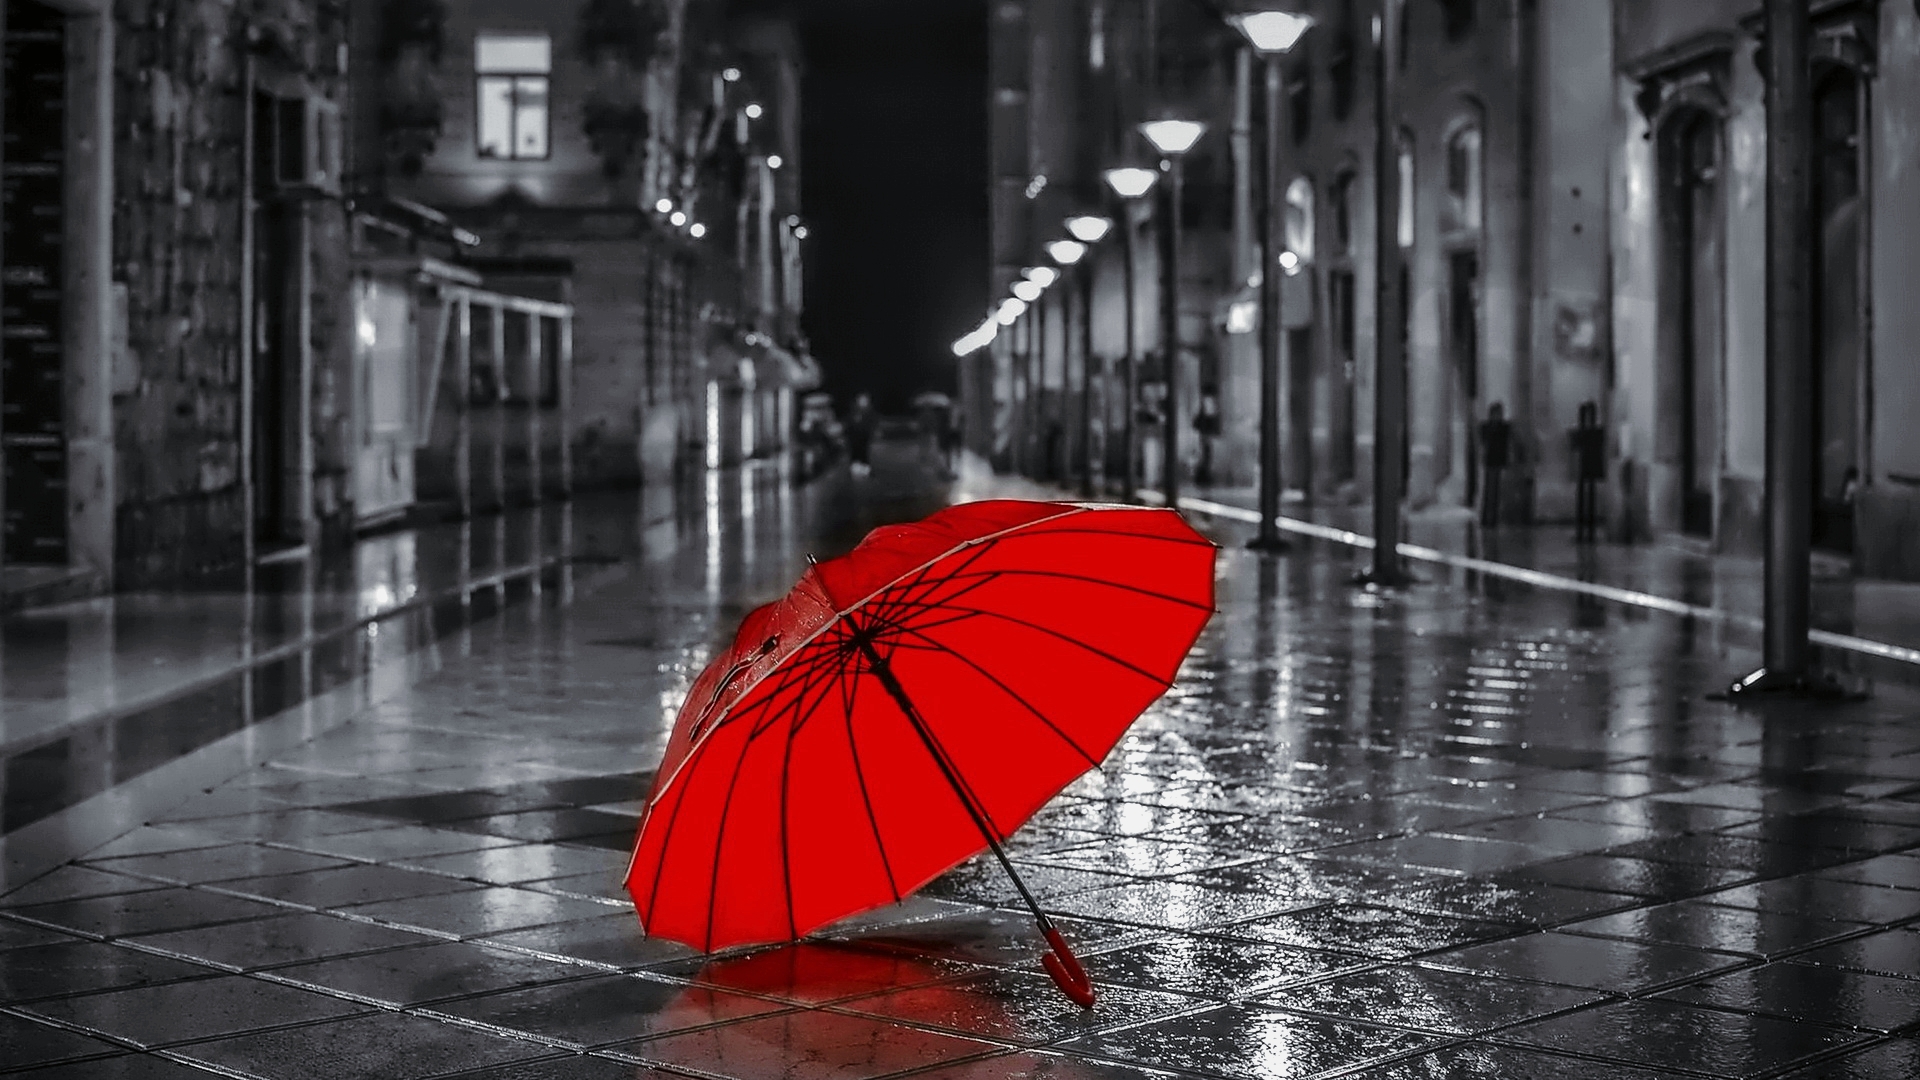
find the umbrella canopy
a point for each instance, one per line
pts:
(907, 706)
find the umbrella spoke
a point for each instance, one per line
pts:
(1160, 680)
(1061, 575)
(1091, 761)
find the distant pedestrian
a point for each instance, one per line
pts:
(1496, 453)
(950, 443)
(861, 422)
(1206, 424)
(1589, 441)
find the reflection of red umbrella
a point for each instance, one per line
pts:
(905, 707)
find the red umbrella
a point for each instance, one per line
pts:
(905, 707)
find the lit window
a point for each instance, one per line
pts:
(1300, 218)
(511, 72)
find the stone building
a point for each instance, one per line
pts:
(142, 219)
(614, 155)
(248, 242)
(1582, 223)
(1689, 232)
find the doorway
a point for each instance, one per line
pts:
(33, 431)
(1693, 279)
(1463, 350)
(1838, 341)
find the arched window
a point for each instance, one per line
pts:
(1341, 199)
(1465, 187)
(1300, 219)
(1406, 188)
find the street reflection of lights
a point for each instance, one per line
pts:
(1043, 276)
(774, 161)
(1243, 317)
(1027, 291)
(678, 217)
(713, 530)
(697, 230)
(1066, 252)
(369, 334)
(1010, 311)
(754, 111)
(713, 425)
(665, 206)
(799, 232)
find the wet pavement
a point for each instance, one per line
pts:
(1472, 829)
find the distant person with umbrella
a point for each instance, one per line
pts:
(932, 411)
(1496, 453)
(861, 422)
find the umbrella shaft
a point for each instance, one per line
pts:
(884, 673)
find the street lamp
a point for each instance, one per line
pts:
(1043, 276)
(1028, 290)
(1272, 33)
(1172, 138)
(1389, 313)
(1066, 252)
(1086, 229)
(1129, 184)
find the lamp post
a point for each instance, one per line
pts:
(1087, 229)
(1129, 183)
(1389, 348)
(1033, 358)
(1273, 34)
(1172, 138)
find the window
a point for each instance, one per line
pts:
(511, 72)
(1343, 213)
(1459, 18)
(1300, 219)
(1464, 186)
(1406, 189)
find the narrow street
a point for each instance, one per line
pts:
(1471, 829)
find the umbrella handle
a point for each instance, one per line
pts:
(1065, 968)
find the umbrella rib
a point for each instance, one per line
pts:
(1095, 650)
(719, 845)
(1089, 579)
(898, 595)
(1114, 534)
(1091, 761)
(968, 800)
(866, 797)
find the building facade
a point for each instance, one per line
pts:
(277, 271)
(1581, 224)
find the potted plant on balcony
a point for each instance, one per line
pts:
(412, 38)
(619, 40)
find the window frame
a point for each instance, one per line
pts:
(514, 79)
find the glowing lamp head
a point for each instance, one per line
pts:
(774, 161)
(1131, 182)
(1010, 311)
(1043, 276)
(664, 206)
(1088, 228)
(678, 217)
(1066, 252)
(754, 111)
(1271, 32)
(697, 230)
(1173, 138)
(1027, 291)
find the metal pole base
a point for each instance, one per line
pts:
(1375, 580)
(1764, 685)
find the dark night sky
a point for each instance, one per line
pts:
(894, 186)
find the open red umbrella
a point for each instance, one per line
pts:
(908, 705)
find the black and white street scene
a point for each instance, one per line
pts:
(960, 539)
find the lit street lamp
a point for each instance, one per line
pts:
(1087, 229)
(1272, 34)
(1389, 315)
(1172, 138)
(1129, 183)
(1066, 252)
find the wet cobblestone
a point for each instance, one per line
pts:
(1468, 830)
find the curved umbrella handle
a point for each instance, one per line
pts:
(1065, 968)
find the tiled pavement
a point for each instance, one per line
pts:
(1457, 832)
